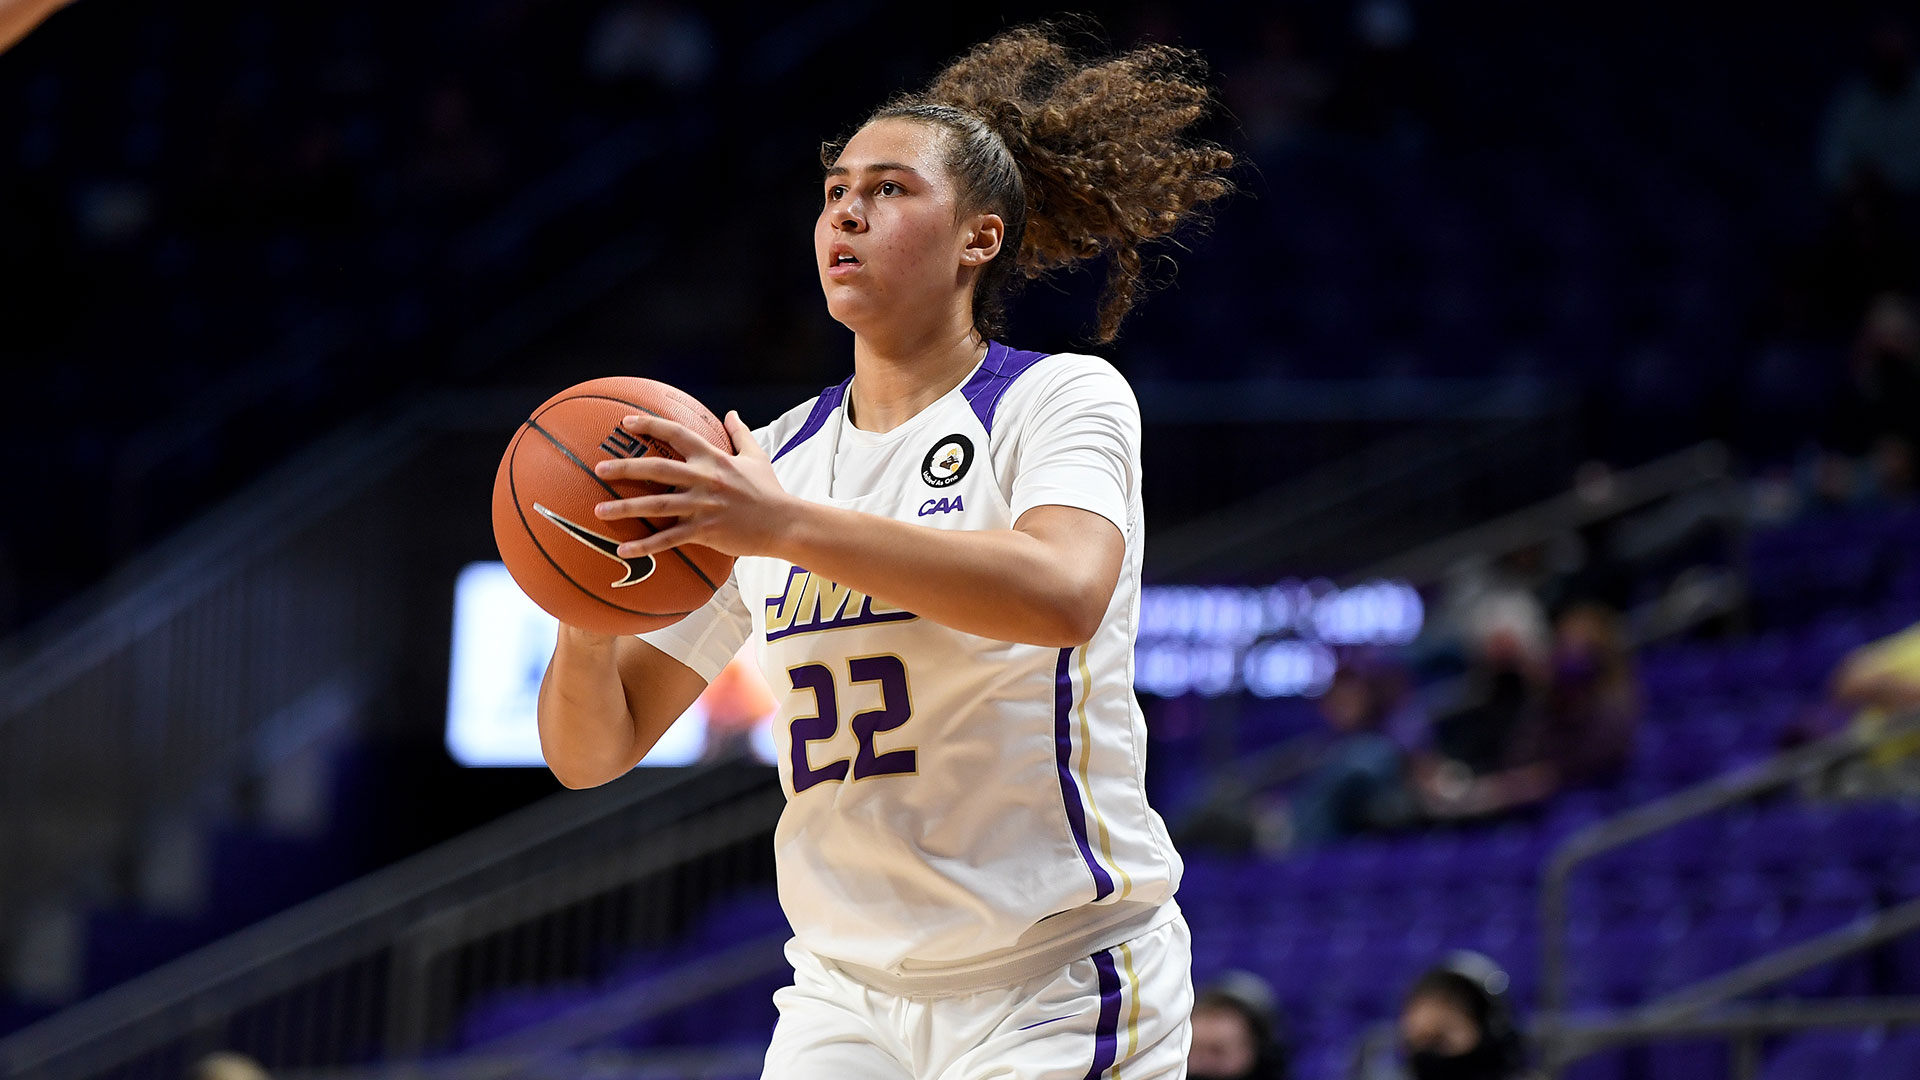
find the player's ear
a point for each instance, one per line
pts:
(984, 234)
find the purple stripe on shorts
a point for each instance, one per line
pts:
(1070, 791)
(1106, 1034)
(823, 407)
(997, 372)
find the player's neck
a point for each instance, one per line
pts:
(896, 377)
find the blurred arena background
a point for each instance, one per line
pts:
(1534, 556)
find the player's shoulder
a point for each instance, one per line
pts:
(1069, 379)
(800, 423)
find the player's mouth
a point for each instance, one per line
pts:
(841, 261)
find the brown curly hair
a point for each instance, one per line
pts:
(1080, 158)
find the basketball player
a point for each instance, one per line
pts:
(939, 563)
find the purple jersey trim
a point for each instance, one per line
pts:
(823, 407)
(1070, 791)
(997, 372)
(1106, 1034)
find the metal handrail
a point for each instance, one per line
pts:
(1566, 1037)
(1867, 931)
(606, 1015)
(1703, 464)
(1753, 1018)
(1270, 524)
(419, 953)
(365, 916)
(1703, 798)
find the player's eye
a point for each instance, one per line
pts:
(835, 192)
(888, 187)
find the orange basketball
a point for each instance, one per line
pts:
(563, 556)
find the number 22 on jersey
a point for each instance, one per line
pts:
(896, 707)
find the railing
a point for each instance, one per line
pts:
(1704, 470)
(1366, 506)
(384, 966)
(1705, 467)
(1706, 1007)
(128, 712)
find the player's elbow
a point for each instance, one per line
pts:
(579, 767)
(1071, 620)
(575, 777)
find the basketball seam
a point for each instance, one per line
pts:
(513, 490)
(571, 456)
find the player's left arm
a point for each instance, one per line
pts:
(1046, 581)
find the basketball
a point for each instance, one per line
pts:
(544, 493)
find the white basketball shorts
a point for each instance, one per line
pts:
(1121, 1013)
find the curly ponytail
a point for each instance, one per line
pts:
(1079, 158)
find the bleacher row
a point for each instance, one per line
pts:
(1342, 931)
(292, 180)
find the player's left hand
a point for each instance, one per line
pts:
(732, 503)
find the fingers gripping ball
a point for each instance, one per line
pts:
(563, 556)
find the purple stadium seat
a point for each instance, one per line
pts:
(1899, 1055)
(1871, 835)
(1685, 851)
(510, 1010)
(1820, 1055)
(1718, 943)
(1738, 893)
(1606, 1065)
(1838, 888)
(1612, 968)
(1687, 1059)
(1846, 976)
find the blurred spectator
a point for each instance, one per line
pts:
(1880, 681)
(1360, 785)
(1500, 628)
(1886, 369)
(1581, 733)
(1585, 733)
(1873, 124)
(227, 1065)
(1236, 1031)
(1867, 449)
(1455, 1025)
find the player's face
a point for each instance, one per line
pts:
(1222, 1045)
(890, 244)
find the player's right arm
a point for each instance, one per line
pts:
(605, 701)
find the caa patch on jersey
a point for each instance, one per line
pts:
(948, 461)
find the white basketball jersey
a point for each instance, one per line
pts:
(956, 804)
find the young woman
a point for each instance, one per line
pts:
(939, 561)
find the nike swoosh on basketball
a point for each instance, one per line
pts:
(638, 570)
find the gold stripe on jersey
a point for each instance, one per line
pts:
(1086, 779)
